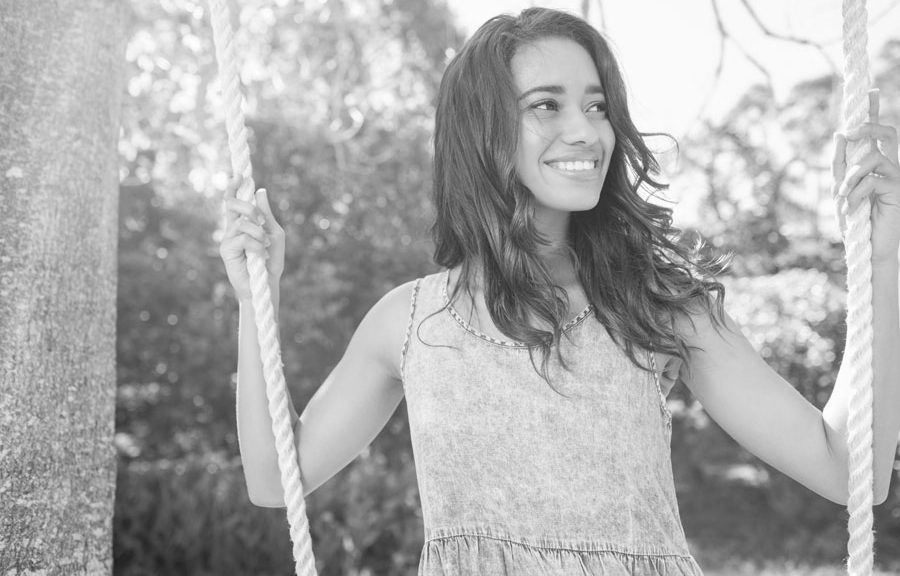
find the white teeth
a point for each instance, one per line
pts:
(575, 166)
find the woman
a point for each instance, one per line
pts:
(562, 466)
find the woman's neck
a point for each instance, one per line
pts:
(560, 267)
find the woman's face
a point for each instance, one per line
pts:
(565, 138)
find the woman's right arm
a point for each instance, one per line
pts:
(345, 414)
(355, 401)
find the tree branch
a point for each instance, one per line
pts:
(789, 38)
(725, 35)
(602, 15)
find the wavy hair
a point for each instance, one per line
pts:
(621, 249)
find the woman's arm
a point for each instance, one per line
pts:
(762, 411)
(885, 386)
(344, 415)
(756, 406)
(770, 418)
(254, 425)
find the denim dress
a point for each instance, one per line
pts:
(515, 478)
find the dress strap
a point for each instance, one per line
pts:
(412, 310)
(662, 398)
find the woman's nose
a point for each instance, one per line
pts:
(577, 128)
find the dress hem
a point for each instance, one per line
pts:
(573, 544)
(468, 552)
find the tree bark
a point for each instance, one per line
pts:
(61, 74)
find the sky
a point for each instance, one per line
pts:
(669, 50)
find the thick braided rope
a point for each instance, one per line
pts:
(858, 250)
(270, 351)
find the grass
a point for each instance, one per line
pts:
(783, 569)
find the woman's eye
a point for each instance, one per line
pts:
(551, 105)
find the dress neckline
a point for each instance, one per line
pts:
(445, 282)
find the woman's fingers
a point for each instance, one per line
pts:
(839, 162)
(887, 135)
(862, 192)
(249, 211)
(254, 245)
(247, 227)
(228, 196)
(234, 246)
(842, 223)
(874, 162)
(235, 207)
(262, 203)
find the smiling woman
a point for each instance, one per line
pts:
(538, 174)
(548, 243)
(538, 169)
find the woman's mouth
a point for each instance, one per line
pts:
(577, 169)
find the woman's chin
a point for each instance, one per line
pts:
(577, 202)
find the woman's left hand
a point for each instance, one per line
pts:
(876, 179)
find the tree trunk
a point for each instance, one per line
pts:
(61, 74)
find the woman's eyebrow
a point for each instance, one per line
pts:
(557, 89)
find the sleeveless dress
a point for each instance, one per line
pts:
(515, 479)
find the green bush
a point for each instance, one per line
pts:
(193, 517)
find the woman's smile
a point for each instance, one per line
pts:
(579, 170)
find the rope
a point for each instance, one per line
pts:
(858, 251)
(270, 352)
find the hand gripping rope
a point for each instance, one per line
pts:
(859, 299)
(276, 390)
(858, 247)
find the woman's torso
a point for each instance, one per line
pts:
(515, 478)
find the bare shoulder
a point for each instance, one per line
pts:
(384, 326)
(710, 340)
(694, 326)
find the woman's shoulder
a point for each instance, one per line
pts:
(397, 303)
(391, 313)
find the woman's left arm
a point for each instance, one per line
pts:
(876, 179)
(765, 413)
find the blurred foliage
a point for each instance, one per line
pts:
(340, 108)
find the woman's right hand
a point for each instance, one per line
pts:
(250, 228)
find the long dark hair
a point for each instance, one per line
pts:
(626, 263)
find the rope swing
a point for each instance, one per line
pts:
(856, 108)
(270, 352)
(858, 252)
